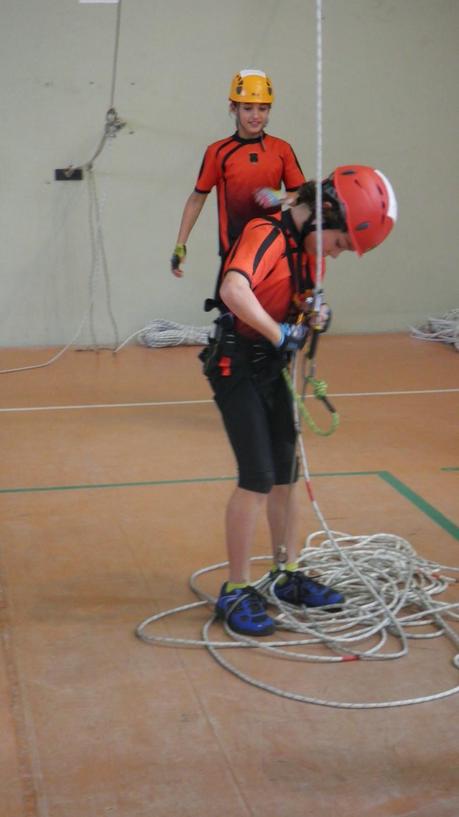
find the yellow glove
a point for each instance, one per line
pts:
(178, 256)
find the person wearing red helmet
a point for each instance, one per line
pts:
(368, 204)
(268, 278)
(238, 165)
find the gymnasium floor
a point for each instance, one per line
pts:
(114, 475)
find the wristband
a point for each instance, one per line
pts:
(180, 251)
(282, 337)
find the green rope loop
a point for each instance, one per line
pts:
(319, 387)
(320, 391)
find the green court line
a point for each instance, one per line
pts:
(95, 485)
(417, 500)
(421, 503)
(449, 469)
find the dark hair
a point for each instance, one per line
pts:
(332, 216)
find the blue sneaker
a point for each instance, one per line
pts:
(299, 589)
(245, 611)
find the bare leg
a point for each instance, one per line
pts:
(284, 519)
(241, 519)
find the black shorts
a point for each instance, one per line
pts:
(256, 406)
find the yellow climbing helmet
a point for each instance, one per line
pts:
(251, 85)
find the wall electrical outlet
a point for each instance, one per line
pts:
(68, 174)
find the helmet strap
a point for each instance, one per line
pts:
(299, 233)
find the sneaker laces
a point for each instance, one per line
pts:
(297, 581)
(254, 600)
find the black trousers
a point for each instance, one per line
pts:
(257, 412)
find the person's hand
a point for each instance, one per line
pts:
(317, 316)
(321, 320)
(293, 336)
(178, 257)
(267, 197)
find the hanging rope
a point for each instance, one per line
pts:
(319, 168)
(98, 258)
(113, 124)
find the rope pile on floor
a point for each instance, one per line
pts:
(391, 598)
(444, 329)
(167, 333)
(161, 333)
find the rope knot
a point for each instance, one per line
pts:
(319, 387)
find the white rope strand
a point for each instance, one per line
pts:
(115, 53)
(319, 170)
(57, 355)
(98, 244)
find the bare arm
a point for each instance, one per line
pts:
(191, 211)
(194, 204)
(235, 291)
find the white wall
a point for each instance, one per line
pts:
(390, 100)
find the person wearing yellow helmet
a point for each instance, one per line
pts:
(238, 165)
(251, 96)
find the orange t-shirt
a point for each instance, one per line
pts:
(260, 255)
(238, 167)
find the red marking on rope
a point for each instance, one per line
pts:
(350, 658)
(309, 490)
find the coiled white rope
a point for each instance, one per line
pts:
(443, 329)
(168, 333)
(390, 598)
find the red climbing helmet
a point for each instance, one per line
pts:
(368, 203)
